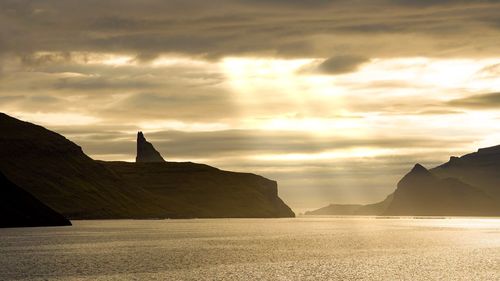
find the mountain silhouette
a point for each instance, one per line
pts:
(464, 186)
(146, 151)
(335, 209)
(18, 208)
(59, 174)
(480, 169)
(354, 209)
(420, 192)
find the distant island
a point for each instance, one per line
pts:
(56, 172)
(464, 186)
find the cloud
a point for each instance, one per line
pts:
(229, 28)
(341, 64)
(102, 83)
(188, 105)
(483, 101)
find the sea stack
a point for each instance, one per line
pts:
(146, 151)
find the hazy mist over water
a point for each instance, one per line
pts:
(256, 249)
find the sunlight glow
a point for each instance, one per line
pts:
(396, 98)
(339, 126)
(327, 155)
(154, 126)
(354, 105)
(57, 119)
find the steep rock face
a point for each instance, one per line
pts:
(18, 208)
(190, 190)
(59, 174)
(146, 151)
(480, 169)
(422, 193)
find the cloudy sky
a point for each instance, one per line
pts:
(335, 100)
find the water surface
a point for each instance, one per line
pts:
(256, 249)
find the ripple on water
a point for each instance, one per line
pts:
(256, 249)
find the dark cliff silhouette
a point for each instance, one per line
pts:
(59, 174)
(422, 193)
(353, 209)
(146, 151)
(480, 169)
(18, 208)
(464, 186)
(335, 209)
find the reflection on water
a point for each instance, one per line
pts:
(256, 249)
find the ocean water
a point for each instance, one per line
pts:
(256, 249)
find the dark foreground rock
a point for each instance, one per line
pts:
(18, 208)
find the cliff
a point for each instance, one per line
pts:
(200, 191)
(422, 193)
(480, 169)
(59, 174)
(18, 208)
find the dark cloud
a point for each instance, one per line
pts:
(341, 64)
(271, 28)
(52, 58)
(483, 101)
(103, 83)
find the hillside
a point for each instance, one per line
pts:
(18, 208)
(58, 173)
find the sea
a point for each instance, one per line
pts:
(303, 248)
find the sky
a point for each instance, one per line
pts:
(336, 100)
